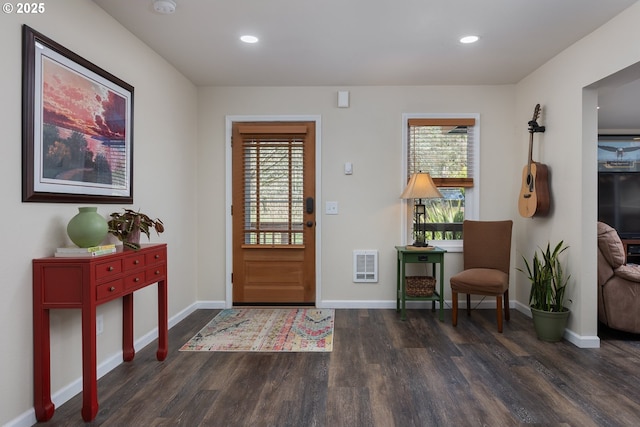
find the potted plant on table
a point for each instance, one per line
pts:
(128, 225)
(546, 298)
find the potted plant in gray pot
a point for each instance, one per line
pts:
(128, 225)
(546, 299)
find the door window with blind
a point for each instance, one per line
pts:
(446, 148)
(273, 192)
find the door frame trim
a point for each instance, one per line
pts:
(229, 120)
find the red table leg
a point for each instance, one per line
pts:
(128, 352)
(41, 363)
(163, 321)
(89, 368)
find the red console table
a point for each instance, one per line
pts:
(85, 283)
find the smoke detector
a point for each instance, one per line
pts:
(165, 7)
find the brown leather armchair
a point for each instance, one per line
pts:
(618, 283)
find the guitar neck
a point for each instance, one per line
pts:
(530, 159)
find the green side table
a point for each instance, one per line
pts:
(434, 256)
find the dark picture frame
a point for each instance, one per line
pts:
(77, 127)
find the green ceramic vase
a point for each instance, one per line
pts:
(88, 228)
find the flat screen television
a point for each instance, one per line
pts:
(619, 202)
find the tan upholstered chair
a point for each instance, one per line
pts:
(618, 283)
(487, 261)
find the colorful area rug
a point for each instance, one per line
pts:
(266, 329)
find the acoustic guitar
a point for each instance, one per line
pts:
(534, 193)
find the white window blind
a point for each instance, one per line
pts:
(444, 149)
(273, 186)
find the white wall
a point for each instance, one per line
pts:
(368, 134)
(569, 148)
(165, 135)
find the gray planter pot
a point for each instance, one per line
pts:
(550, 325)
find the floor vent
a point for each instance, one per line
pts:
(365, 266)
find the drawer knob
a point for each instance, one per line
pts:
(137, 279)
(111, 289)
(157, 256)
(110, 268)
(136, 261)
(157, 271)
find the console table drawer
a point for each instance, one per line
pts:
(156, 273)
(109, 290)
(109, 268)
(422, 257)
(156, 256)
(133, 262)
(134, 281)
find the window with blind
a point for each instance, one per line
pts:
(273, 189)
(446, 148)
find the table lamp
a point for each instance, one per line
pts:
(420, 187)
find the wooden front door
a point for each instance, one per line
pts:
(273, 212)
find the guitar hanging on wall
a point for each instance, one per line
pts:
(534, 193)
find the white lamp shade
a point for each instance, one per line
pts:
(421, 186)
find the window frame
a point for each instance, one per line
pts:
(472, 194)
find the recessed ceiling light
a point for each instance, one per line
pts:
(249, 39)
(469, 39)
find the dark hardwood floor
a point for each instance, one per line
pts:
(382, 372)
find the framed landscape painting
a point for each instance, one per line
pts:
(77, 130)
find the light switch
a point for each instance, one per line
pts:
(331, 208)
(348, 168)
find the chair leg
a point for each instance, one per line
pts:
(506, 305)
(468, 304)
(499, 312)
(454, 306)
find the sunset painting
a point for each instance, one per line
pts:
(77, 121)
(84, 129)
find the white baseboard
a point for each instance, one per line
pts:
(211, 305)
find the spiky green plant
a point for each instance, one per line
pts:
(548, 279)
(445, 211)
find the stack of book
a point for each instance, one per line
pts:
(75, 252)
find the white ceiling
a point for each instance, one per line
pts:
(362, 42)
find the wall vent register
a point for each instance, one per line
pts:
(365, 266)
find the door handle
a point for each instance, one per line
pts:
(309, 205)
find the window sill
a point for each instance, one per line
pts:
(448, 245)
